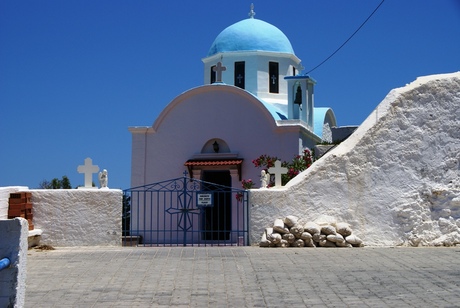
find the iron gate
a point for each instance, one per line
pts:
(185, 211)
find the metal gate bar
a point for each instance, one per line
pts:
(185, 211)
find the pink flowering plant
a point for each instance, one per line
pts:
(265, 161)
(246, 184)
(298, 164)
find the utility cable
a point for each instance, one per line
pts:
(359, 28)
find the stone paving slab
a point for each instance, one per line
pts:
(243, 277)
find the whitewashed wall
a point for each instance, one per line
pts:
(73, 217)
(78, 217)
(396, 180)
(13, 245)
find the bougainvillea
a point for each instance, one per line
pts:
(265, 161)
(298, 164)
(246, 184)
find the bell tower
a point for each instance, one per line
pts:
(301, 98)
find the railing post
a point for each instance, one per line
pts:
(185, 207)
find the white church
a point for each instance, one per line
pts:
(254, 101)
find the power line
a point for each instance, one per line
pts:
(359, 28)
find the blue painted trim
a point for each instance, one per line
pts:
(300, 77)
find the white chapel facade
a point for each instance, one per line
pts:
(254, 101)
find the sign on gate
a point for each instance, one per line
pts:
(204, 199)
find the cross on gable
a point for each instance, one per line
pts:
(273, 79)
(239, 77)
(278, 171)
(88, 169)
(219, 68)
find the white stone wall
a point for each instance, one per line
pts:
(396, 180)
(13, 245)
(78, 217)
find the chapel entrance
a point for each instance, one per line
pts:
(217, 219)
(187, 211)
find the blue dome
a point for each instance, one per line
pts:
(251, 34)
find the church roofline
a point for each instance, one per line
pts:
(219, 56)
(320, 116)
(140, 129)
(212, 87)
(300, 77)
(297, 125)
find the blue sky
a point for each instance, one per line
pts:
(74, 75)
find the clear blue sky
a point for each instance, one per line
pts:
(74, 75)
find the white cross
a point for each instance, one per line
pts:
(273, 79)
(301, 68)
(88, 169)
(278, 171)
(239, 78)
(251, 12)
(219, 69)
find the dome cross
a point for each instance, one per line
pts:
(251, 12)
(219, 68)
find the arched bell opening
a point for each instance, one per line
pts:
(215, 145)
(297, 100)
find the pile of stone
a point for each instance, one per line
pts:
(292, 232)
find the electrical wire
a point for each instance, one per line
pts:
(359, 28)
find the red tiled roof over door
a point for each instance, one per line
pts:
(226, 162)
(213, 162)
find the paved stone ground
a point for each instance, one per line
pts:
(243, 277)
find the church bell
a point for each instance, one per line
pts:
(298, 96)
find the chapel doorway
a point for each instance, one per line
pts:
(217, 219)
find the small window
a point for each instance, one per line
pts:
(273, 71)
(239, 74)
(213, 74)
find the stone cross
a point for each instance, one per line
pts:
(219, 68)
(88, 169)
(278, 171)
